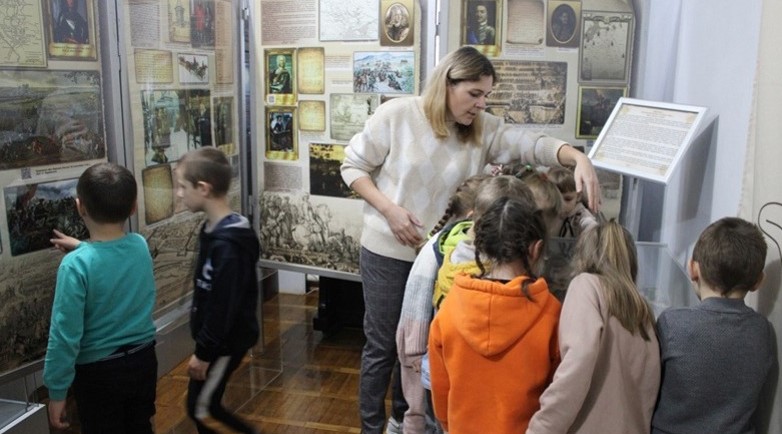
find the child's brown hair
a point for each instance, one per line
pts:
(209, 165)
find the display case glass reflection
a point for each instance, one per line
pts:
(661, 280)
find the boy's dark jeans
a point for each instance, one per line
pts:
(117, 395)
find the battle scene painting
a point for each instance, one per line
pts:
(50, 117)
(307, 230)
(34, 210)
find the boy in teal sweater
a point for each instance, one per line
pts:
(101, 338)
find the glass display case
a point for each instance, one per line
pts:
(661, 280)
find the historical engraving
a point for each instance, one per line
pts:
(529, 92)
(349, 112)
(605, 47)
(307, 230)
(594, 107)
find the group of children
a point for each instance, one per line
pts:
(483, 344)
(102, 335)
(485, 347)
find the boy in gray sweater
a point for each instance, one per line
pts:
(716, 356)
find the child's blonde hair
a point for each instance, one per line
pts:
(500, 186)
(608, 251)
(547, 197)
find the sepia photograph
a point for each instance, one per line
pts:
(397, 24)
(563, 24)
(595, 105)
(193, 68)
(34, 210)
(384, 71)
(325, 178)
(50, 117)
(71, 29)
(175, 121)
(202, 24)
(529, 92)
(349, 112)
(281, 134)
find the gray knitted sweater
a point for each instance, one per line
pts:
(716, 358)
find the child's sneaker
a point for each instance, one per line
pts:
(393, 426)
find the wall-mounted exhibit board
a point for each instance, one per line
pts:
(562, 64)
(322, 68)
(51, 129)
(183, 89)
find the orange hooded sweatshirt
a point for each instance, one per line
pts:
(492, 353)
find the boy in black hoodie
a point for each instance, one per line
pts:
(222, 319)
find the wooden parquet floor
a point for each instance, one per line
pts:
(302, 382)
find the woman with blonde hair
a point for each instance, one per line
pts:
(406, 164)
(609, 376)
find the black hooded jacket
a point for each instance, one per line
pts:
(225, 297)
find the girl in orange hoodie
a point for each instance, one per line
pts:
(493, 345)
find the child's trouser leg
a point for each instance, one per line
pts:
(414, 420)
(204, 398)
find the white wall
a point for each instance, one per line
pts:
(702, 53)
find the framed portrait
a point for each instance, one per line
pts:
(594, 107)
(71, 29)
(397, 23)
(281, 134)
(280, 78)
(481, 25)
(564, 24)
